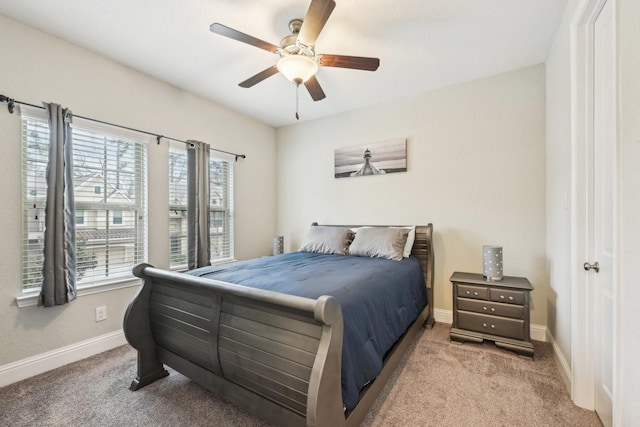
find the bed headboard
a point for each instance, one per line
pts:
(422, 249)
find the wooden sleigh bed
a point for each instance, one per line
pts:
(288, 373)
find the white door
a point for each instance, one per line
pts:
(604, 210)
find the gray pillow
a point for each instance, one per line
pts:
(327, 240)
(379, 242)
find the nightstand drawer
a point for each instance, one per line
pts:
(507, 296)
(476, 292)
(497, 309)
(510, 328)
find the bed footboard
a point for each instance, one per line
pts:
(279, 356)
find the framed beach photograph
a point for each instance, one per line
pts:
(371, 159)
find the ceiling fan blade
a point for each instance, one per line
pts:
(242, 37)
(259, 77)
(314, 89)
(317, 15)
(355, 62)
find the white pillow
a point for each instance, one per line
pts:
(411, 237)
(327, 240)
(379, 242)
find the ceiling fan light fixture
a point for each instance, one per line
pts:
(297, 68)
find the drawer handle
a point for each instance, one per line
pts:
(475, 293)
(493, 309)
(501, 296)
(484, 325)
(493, 326)
(510, 298)
(484, 308)
(468, 293)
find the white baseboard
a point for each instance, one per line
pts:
(538, 332)
(561, 363)
(31, 366)
(443, 316)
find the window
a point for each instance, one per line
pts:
(221, 207)
(109, 189)
(117, 217)
(178, 205)
(79, 217)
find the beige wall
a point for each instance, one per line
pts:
(558, 202)
(476, 170)
(37, 67)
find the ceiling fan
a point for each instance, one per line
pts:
(299, 61)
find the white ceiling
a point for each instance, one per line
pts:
(422, 45)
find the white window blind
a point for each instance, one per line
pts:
(110, 187)
(221, 207)
(221, 219)
(178, 206)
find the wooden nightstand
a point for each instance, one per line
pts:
(493, 310)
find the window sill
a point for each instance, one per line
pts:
(30, 299)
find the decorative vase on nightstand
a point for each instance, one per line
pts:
(492, 262)
(278, 245)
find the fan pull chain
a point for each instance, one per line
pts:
(297, 93)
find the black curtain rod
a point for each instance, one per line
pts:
(11, 107)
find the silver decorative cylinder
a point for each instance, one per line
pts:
(492, 262)
(278, 245)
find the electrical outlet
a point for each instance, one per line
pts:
(101, 313)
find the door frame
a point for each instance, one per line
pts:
(582, 287)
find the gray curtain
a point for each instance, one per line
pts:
(198, 239)
(59, 264)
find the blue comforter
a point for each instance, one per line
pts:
(379, 298)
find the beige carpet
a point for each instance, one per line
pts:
(437, 384)
(448, 384)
